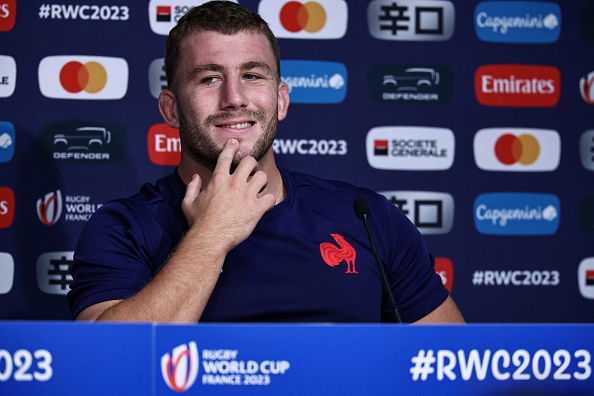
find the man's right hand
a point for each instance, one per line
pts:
(229, 207)
(221, 215)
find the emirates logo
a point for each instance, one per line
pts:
(334, 255)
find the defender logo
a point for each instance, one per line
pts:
(83, 142)
(393, 83)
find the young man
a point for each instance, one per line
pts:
(229, 236)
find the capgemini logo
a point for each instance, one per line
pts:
(49, 208)
(587, 88)
(180, 369)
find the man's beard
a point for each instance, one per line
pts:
(199, 143)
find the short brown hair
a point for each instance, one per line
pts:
(224, 17)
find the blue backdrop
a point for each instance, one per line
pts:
(476, 118)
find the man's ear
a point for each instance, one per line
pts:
(283, 100)
(168, 108)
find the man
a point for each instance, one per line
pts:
(231, 237)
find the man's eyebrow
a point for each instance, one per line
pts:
(214, 67)
(206, 68)
(257, 65)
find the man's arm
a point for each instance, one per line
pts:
(447, 312)
(220, 216)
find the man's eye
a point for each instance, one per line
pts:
(209, 80)
(250, 77)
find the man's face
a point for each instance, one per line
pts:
(227, 87)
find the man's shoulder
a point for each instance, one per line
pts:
(303, 181)
(167, 190)
(153, 200)
(336, 196)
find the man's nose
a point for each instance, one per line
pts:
(233, 94)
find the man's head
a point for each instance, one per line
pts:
(222, 66)
(223, 17)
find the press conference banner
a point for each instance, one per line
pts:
(475, 118)
(45, 358)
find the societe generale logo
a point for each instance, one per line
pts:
(7, 15)
(49, 208)
(517, 149)
(517, 85)
(7, 203)
(164, 14)
(8, 71)
(163, 145)
(586, 278)
(319, 19)
(83, 77)
(410, 148)
(180, 368)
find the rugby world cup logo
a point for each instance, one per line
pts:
(49, 208)
(180, 369)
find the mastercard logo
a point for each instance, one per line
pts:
(83, 77)
(310, 16)
(320, 19)
(517, 149)
(89, 77)
(523, 149)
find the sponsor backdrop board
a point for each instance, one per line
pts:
(475, 118)
(62, 358)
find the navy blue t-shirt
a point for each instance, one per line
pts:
(308, 259)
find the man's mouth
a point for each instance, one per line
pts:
(241, 125)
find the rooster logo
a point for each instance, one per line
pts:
(333, 255)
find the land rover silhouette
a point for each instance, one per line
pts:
(412, 79)
(84, 138)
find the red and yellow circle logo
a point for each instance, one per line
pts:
(511, 149)
(296, 16)
(90, 77)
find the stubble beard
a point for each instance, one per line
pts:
(197, 140)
